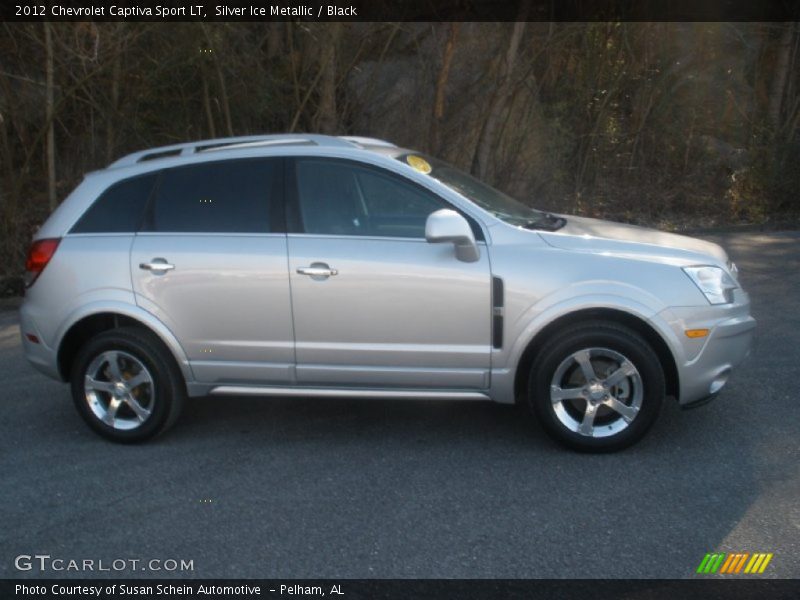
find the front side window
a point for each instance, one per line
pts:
(502, 206)
(220, 197)
(344, 198)
(119, 209)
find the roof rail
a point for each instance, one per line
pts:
(257, 144)
(367, 141)
(227, 143)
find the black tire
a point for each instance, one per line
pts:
(161, 395)
(608, 342)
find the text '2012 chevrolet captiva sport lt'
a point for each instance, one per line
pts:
(307, 265)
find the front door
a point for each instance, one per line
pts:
(374, 304)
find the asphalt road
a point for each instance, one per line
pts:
(351, 489)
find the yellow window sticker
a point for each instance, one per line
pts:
(419, 163)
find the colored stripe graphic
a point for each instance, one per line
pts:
(711, 563)
(754, 563)
(764, 564)
(729, 562)
(717, 564)
(704, 564)
(734, 563)
(741, 562)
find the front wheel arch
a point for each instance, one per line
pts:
(657, 343)
(596, 386)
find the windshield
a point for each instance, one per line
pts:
(494, 201)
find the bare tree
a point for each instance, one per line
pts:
(274, 40)
(780, 76)
(116, 76)
(631, 115)
(223, 87)
(435, 141)
(499, 100)
(327, 120)
(50, 116)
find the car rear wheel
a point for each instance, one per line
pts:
(596, 387)
(126, 385)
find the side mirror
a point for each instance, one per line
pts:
(447, 225)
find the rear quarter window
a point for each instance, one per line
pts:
(119, 209)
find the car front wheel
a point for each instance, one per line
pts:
(596, 387)
(126, 385)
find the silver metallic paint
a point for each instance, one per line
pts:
(400, 313)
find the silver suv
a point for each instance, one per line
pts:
(307, 265)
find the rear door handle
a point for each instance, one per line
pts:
(317, 270)
(157, 264)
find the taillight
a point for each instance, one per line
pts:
(39, 254)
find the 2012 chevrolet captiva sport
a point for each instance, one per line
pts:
(308, 265)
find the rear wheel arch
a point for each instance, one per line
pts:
(640, 326)
(89, 326)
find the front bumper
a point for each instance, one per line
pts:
(704, 366)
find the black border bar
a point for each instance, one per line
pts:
(419, 589)
(400, 10)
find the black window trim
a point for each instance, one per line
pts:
(294, 219)
(146, 223)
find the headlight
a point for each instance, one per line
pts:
(714, 282)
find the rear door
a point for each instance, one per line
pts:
(210, 262)
(374, 304)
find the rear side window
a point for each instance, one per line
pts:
(119, 209)
(220, 197)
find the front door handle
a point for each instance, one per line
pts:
(157, 265)
(317, 271)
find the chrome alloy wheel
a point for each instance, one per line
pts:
(596, 392)
(120, 391)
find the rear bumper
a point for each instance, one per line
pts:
(41, 356)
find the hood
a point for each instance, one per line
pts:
(595, 235)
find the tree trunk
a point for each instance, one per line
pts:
(780, 77)
(327, 118)
(223, 92)
(223, 88)
(116, 75)
(441, 85)
(6, 121)
(49, 116)
(212, 130)
(274, 40)
(486, 140)
(8, 205)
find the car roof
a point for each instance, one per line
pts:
(224, 146)
(363, 149)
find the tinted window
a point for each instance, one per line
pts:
(119, 209)
(221, 197)
(496, 202)
(342, 198)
